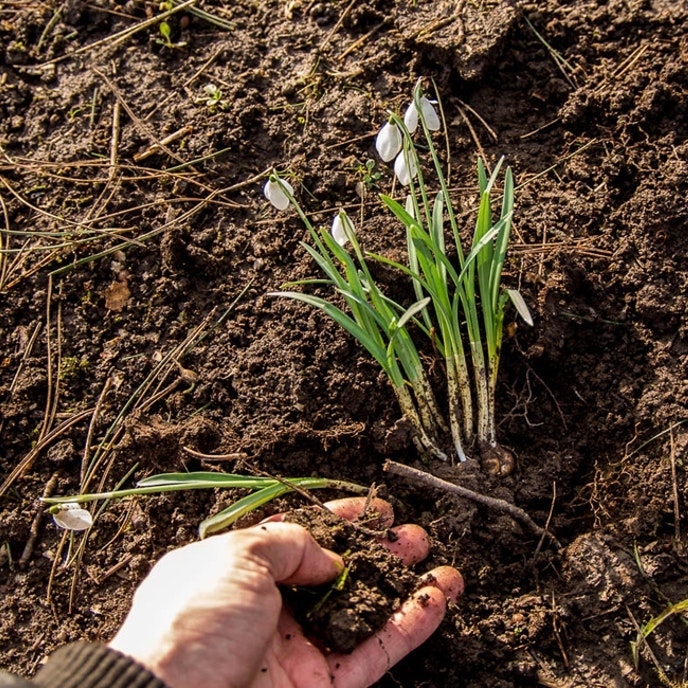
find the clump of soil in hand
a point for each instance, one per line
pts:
(341, 614)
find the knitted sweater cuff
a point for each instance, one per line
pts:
(87, 665)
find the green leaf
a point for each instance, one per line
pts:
(240, 508)
(257, 499)
(342, 319)
(412, 310)
(202, 479)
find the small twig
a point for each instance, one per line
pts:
(122, 35)
(91, 428)
(337, 26)
(474, 135)
(36, 523)
(234, 456)
(26, 463)
(157, 147)
(114, 141)
(491, 502)
(549, 518)
(480, 118)
(5, 252)
(138, 122)
(98, 580)
(674, 483)
(360, 41)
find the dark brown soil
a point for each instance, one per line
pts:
(169, 342)
(341, 615)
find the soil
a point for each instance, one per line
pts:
(138, 333)
(340, 615)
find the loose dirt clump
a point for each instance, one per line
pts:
(340, 616)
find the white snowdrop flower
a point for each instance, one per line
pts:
(431, 118)
(388, 141)
(274, 192)
(72, 517)
(339, 226)
(405, 167)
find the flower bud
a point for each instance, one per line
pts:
(274, 192)
(405, 167)
(432, 121)
(388, 141)
(340, 224)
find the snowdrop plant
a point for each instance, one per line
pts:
(68, 513)
(459, 304)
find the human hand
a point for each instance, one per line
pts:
(210, 614)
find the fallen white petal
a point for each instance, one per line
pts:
(73, 517)
(274, 192)
(388, 141)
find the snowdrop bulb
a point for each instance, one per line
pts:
(388, 141)
(274, 192)
(72, 517)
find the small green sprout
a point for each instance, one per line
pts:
(213, 98)
(369, 175)
(165, 31)
(459, 304)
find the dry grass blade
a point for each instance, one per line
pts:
(124, 34)
(27, 462)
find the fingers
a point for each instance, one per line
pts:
(377, 516)
(409, 542)
(410, 626)
(290, 553)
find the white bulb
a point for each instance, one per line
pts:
(72, 517)
(274, 192)
(388, 141)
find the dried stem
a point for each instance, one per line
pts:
(491, 502)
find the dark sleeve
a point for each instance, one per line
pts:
(86, 665)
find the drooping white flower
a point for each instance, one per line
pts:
(340, 224)
(429, 115)
(405, 167)
(388, 142)
(72, 517)
(274, 192)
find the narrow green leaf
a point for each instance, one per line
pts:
(412, 310)
(240, 508)
(204, 479)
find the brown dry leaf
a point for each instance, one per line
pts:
(116, 296)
